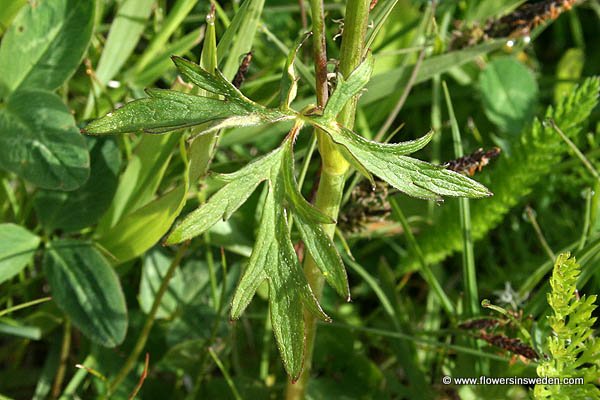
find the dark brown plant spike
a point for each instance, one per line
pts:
(480, 323)
(367, 204)
(240, 75)
(474, 162)
(512, 345)
(517, 24)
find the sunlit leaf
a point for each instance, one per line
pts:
(240, 185)
(274, 259)
(509, 92)
(347, 89)
(40, 142)
(45, 44)
(411, 176)
(308, 220)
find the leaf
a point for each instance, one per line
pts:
(125, 32)
(140, 230)
(240, 185)
(8, 10)
(346, 90)
(274, 259)
(216, 83)
(138, 183)
(45, 44)
(411, 176)
(243, 29)
(391, 82)
(568, 71)
(289, 80)
(87, 289)
(72, 211)
(41, 142)
(309, 220)
(167, 110)
(17, 247)
(154, 269)
(509, 93)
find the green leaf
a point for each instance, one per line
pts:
(509, 93)
(72, 211)
(214, 83)
(346, 90)
(167, 110)
(154, 269)
(289, 80)
(87, 289)
(45, 44)
(8, 10)
(393, 81)
(125, 32)
(140, 180)
(411, 176)
(41, 142)
(237, 39)
(17, 247)
(140, 230)
(309, 220)
(274, 259)
(568, 72)
(240, 185)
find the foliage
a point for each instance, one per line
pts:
(166, 233)
(574, 352)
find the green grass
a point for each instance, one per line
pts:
(174, 254)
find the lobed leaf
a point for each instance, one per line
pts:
(309, 220)
(274, 259)
(240, 185)
(214, 83)
(167, 110)
(411, 176)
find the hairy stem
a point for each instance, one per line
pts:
(331, 185)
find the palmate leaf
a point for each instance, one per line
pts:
(273, 257)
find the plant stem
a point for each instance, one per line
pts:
(64, 355)
(143, 337)
(331, 185)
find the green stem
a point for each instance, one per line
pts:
(471, 307)
(64, 355)
(143, 337)
(331, 185)
(24, 305)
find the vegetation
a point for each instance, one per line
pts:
(314, 200)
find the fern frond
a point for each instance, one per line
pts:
(513, 177)
(574, 352)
